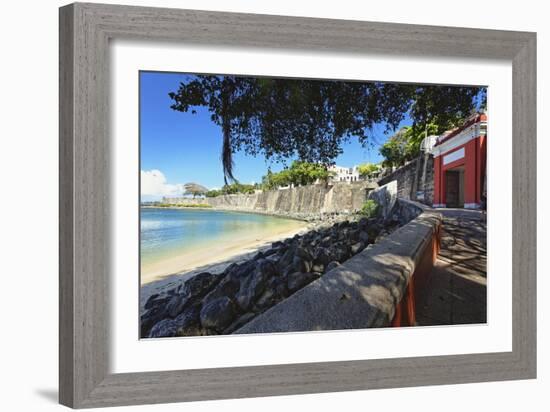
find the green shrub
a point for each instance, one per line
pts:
(201, 205)
(176, 205)
(213, 193)
(370, 208)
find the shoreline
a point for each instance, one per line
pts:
(224, 250)
(170, 281)
(235, 210)
(236, 254)
(214, 264)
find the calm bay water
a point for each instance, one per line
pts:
(166, 233)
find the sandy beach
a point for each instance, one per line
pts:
(218, 252)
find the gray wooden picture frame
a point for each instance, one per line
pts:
(85, 31)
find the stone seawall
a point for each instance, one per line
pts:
(414, 182)
(302, 202)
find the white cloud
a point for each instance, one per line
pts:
(153, 183)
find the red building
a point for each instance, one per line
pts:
(460, 158)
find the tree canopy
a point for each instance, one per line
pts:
(298, 174)
(368, 169)
(231, 189)
(405, 144)
(194, 189)
(310, 119)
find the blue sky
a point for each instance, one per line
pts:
(186, 147)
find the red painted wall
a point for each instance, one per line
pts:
(437, 180)
(470, 169)
(405, 312)
(474, 162)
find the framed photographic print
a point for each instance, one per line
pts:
(261, 205)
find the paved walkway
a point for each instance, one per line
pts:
(457, 290)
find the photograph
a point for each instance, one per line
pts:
(272, 205)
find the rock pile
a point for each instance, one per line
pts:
(210, 304)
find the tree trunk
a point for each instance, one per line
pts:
(227, 153)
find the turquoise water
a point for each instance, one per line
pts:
(169, 232)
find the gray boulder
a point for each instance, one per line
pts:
(364, 236)
(200, 284)
(299, 265)
(279, 286)
(298, 280)
(354, 235)
(239, 271)
(180, 326)
(269, 252)
(150, 318)
(265, 301)
(363, 223)
(190, 317)
(164, 328)
(323, 256)
(252, 286)
(192, 290)
(304, 252)
(340, 252)
(176, 304)
(157, 299)
(258, 256)
(228, 287)
(218, 314)
(286, 259)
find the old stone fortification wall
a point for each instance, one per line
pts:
(299, 202)
(405, 177)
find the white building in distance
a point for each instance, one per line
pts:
(345, 174)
